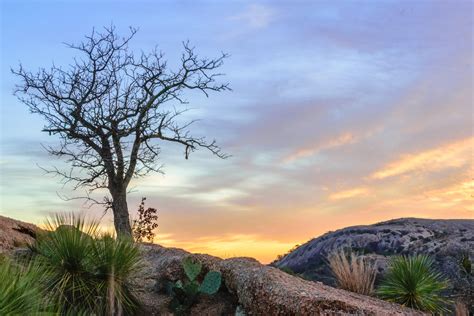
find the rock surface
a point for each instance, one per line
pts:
(259, 289)
(15, 234)
(161, 265)
(264, 290)
(446, 241)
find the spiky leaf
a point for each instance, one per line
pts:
(413, 282)
(211, 283)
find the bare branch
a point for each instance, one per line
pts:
(112, 109)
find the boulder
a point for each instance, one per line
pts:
(264, 290)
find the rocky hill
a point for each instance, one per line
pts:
(448, 242)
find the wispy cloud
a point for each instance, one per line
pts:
(460, 195)
(343, 139)
(347, 194)
(447, 156)
(256, 16)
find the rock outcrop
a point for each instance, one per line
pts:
(161, 265)
(264, 290)
(448, 242)
(258, 289)
(15, 234)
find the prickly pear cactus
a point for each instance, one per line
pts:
(186, 292)
(191, 268)
(211, 283)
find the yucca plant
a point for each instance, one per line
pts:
(413, 282)
(353, 273)
(87, 273)
(19, 291)
(64, 253)
(114, 260)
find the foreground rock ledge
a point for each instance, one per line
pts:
(259, 289)
(264, 290)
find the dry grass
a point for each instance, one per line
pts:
(353, 273)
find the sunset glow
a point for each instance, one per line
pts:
(340, 114)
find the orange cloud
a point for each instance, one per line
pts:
(343, 139)
(346, 194)
(451, 155)
(460, 195)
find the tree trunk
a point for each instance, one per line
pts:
(121, 216)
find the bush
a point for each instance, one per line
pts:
(145, 224)
(353, 273)
(86, 272)
(413, 282)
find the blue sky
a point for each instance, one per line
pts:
(341, 113)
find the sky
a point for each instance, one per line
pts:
(341, 113)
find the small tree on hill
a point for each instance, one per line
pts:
(146, 222)
(112, 109)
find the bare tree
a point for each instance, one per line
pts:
(111, 110)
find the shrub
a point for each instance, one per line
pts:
(353, 273)
(86, 272)
(145, 224)
(413, 282)
(185, 293)
(465, 263)
(288, 270)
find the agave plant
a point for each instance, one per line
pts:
(87, 273)
(413, 282)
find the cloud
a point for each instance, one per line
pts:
(447, 156)
(256, 16)
(343, 139)
(347, 194)
(457, 195)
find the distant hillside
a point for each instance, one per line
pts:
(447, 241)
